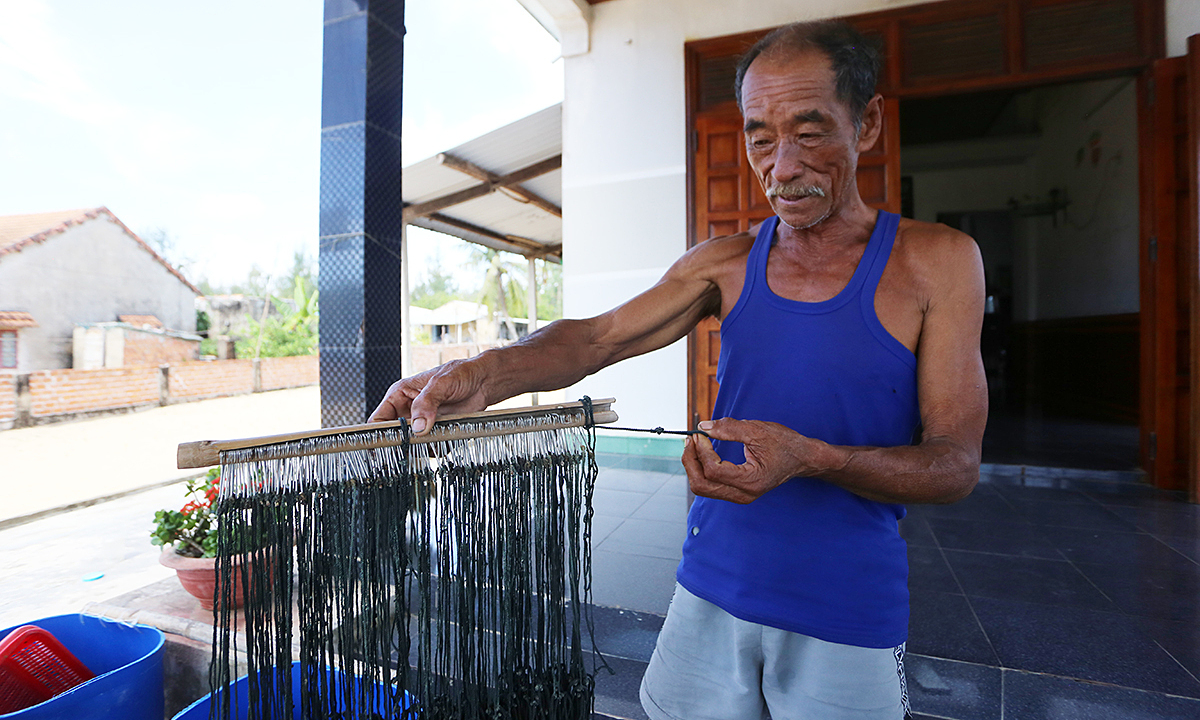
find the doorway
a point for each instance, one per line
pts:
(1046, 180)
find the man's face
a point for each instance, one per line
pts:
(800, 138)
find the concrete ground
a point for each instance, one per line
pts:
(51, 466)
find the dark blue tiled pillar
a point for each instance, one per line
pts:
(361, 207)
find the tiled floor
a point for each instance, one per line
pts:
(1058, 597)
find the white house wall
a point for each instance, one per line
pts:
(89, 273)
(1087, 256)
(1183, 20)
(624, 164)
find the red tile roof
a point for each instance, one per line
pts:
(15, 320)
(141, 320)
(20, 231)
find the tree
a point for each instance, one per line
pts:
(303, 269)
(550, 297)
(167, 247)
(293, 332)
(256, 283)
(502, 292)
(436, 288)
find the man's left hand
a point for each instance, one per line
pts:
(774, 454)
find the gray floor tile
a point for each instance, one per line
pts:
(625, 633)
(657, 464)
(928, 571)
(602, 527)
(1004, 538)
(617, 691)
(948, 689)
(942, 625)
(633, 582)
(1126, 549)
(1005, 577)
(1031, 696)
(914, 528)
(677, 485)
(667, 507)
(647, 537)
(1103, 647)
(641, 481)
(617, 502)
(1167, 592)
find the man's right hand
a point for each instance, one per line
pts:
(456, 387)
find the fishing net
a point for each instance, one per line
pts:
(443, 579)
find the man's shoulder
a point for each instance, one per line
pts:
(936, 258)
(935, 246)
(926, 237)
(718, 253)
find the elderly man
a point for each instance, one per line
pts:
(844, 331)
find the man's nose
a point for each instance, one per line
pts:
(787, 164)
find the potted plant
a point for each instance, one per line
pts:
(189, 540)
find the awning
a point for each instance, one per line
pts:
(502, 190)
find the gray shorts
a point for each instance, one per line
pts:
(709, 665)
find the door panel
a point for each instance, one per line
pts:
(1168, 275)
(729, 199)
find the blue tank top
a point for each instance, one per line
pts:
(808, 556)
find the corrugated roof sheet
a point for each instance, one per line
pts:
(500, 152)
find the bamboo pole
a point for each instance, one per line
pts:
(205, 453)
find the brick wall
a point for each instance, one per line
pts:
(144, 348)
(201, 379)
(288, 372)
(8, 399)
(60, 392)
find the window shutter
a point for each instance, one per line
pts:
(1086, 31)
(965, 47)
(716, 81)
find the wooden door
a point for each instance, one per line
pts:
(1168, 271)
(729, 199)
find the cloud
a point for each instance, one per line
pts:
(36, 66)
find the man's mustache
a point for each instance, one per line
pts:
(795, 190)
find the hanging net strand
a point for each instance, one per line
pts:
(441, 576)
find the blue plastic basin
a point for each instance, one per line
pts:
(127, 661)
(241, 696)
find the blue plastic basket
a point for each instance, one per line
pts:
(241, 697)
(127, 661)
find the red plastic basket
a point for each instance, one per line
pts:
(34, 667)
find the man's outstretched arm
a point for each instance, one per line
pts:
(565, 351)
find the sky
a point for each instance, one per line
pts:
(202, 119)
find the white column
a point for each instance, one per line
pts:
(531, 303)
(531, 296)
(405, 312)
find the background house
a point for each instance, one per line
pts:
(1056, 132)
(78, 268)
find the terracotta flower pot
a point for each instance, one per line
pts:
(199, 576)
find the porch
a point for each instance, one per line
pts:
(1042, 595)
(1048, 594)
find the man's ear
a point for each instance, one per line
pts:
(872, 124)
